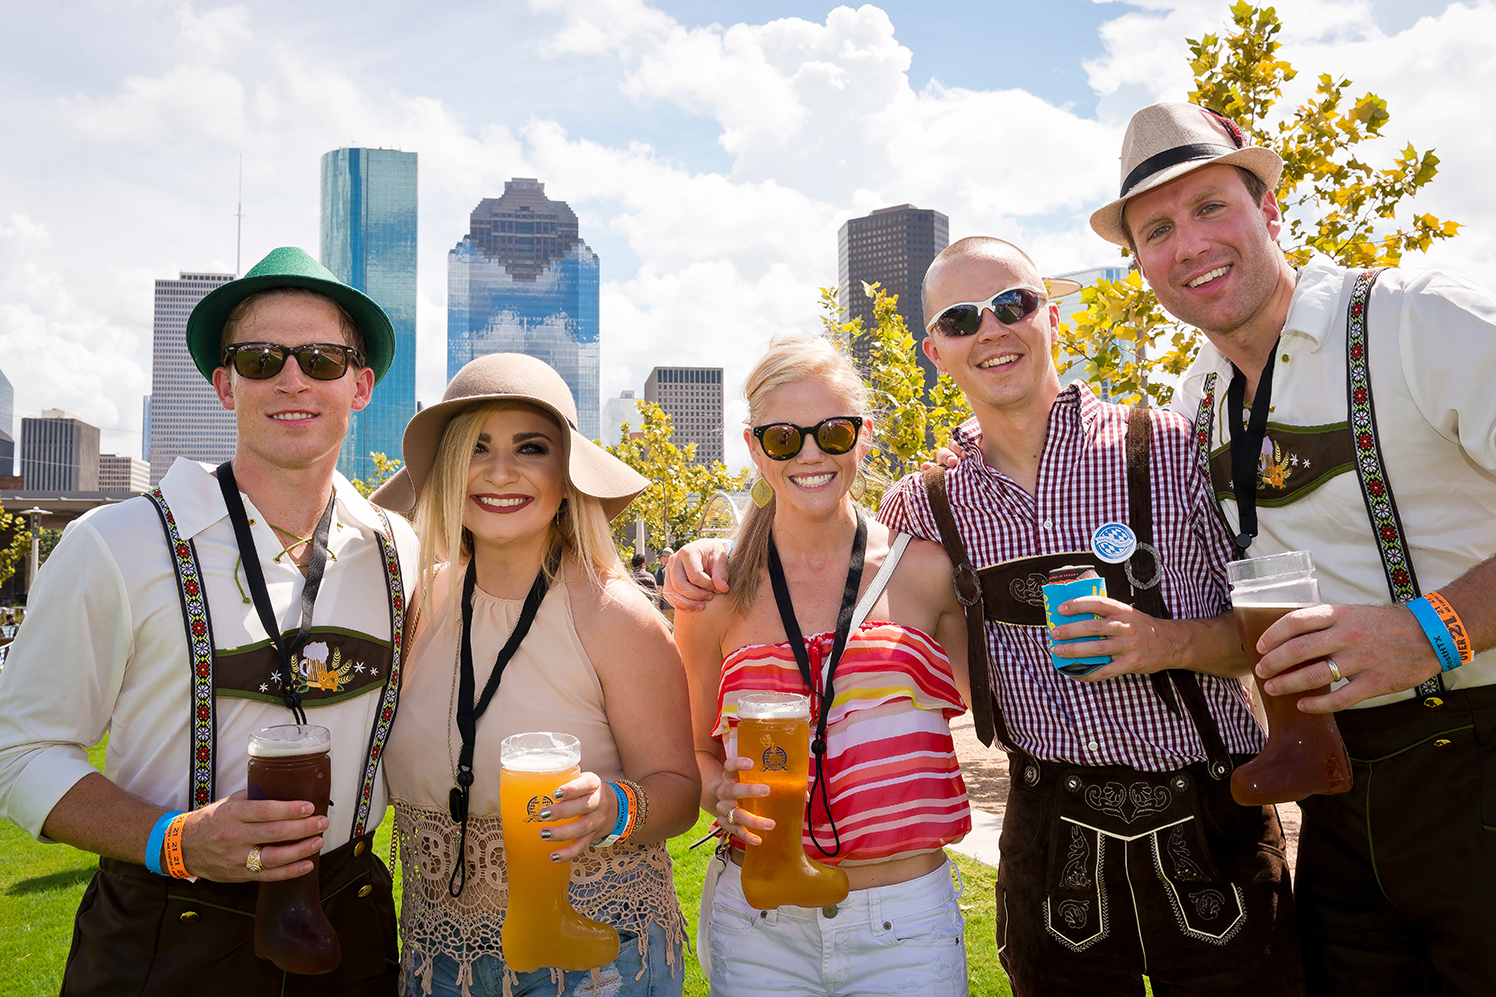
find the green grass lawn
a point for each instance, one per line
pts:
(40, 886)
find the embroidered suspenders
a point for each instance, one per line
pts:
(1376, 489)
(199, 631)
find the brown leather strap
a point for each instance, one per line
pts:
(1148, 595)
(1013, 591)
(985, 712)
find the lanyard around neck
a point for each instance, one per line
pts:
(1246, 446)
(316, 565)
(468, 712)
(802, 658)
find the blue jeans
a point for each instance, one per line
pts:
(614, 980)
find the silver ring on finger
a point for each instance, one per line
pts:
(252, 860)
(1335, 675)
(732, 816)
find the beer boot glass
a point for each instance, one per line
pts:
(540, 927)
(774, 731)
(1304, 754)
(291, 762)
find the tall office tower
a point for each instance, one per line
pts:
(145, 429)
(692, 397)
(59, 452)
(892, 247)
(186, 417)
(523, 281)
(369, 241)
(617, 411)
(7, 427)
(123, 473)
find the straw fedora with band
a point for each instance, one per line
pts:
(1166, 141)
(287, 267)
(518, 378)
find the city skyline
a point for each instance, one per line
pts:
(187, 419)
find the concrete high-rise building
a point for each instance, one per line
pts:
(123, 473)
(7, 427)
(59, 452)
(186, 417)
(523, 281)
(369, 242)
(145, 429)
(892, 247)
(617, 411)
(692, 397)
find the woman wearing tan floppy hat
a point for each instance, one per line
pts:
(522, 593)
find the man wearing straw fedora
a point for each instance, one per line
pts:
(180, 622)
(1123, 853)
(1350, 414)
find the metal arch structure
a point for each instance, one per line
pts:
(722, 513)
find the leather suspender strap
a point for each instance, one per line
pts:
(1148, 596)
(985, 712)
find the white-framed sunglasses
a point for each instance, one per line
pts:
(1009, 307)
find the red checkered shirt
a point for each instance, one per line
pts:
(1082, 484)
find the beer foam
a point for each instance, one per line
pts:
(773, 706)
(286, 740)
(540, 751)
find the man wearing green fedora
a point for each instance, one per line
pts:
(264, 592)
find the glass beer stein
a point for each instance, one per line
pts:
(774, 731)
(1304, 754)
(541, 929)
(291, 762)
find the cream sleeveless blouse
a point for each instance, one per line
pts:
(549, 684)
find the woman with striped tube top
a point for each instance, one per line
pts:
(810, 572)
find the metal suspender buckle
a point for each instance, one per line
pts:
(1158, 567)
(969, 593)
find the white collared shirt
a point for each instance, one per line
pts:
(1431, 339)
(104, 649)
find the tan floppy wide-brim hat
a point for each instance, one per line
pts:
(1166, 141)
(518, 378)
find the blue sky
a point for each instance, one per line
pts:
(711, 149)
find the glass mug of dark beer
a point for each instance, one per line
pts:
(1304, 754)
(291, 762)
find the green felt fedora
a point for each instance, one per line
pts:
(287, 267)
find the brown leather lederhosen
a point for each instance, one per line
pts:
(140, 933)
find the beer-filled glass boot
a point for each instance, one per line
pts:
(291, 762)
(774, 731)
(1304, 754)
(541, 929)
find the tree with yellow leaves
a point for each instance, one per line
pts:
(1333, 203)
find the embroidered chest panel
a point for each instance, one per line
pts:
(1294, 461)
(335, 665)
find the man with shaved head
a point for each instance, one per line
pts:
(1123, 853)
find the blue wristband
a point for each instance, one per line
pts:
(157, 838)
(1437, 633)
(730, 545)
(622, 821)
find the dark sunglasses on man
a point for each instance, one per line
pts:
(783, 440)
(319, 361)
(1008, 307)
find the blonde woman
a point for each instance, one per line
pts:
(520, 578)
(888, 796)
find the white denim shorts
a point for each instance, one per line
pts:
(905, 939)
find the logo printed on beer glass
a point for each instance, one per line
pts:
(774, 758)
(533, 808)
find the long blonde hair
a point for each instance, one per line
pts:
(579, 530)
(790, 359)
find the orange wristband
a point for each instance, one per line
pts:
(172, 846)
(1455, 625)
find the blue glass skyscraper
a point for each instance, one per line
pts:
(523, 281)
(369, 241)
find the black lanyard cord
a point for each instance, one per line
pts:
(802, 658)
(468, 713)
(1246, 446)
(316, 566)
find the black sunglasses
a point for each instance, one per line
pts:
(1009, 307)
(319, 361)
(783, 440)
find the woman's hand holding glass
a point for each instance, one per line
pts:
(731, 792)
(588, 809)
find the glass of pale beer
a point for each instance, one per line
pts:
(291, 762)
(540, 927)
(774, 731)
(1304, 754)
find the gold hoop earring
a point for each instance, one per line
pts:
(859, 486)
(761, 493)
